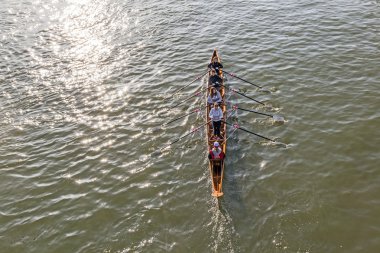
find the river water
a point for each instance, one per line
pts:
(82, 94)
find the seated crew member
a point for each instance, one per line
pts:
(215, 80)
(214, 97)
(216, 152)
(216, 115)
(215, 65)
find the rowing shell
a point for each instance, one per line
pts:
(216, 166)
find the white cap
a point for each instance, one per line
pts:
(216, 144)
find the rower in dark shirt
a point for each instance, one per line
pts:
(215, 80)
(215, 65)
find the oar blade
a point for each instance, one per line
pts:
(156, 153)
(273, 144)
(278, 119)
(264, 90)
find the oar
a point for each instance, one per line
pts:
(241, 94)
(233, 75)
(196, 110)
(245, 130)
(239, 108)
(183, 101)
(178, 90)
(192, 131)
(277, 118)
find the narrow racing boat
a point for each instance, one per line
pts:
(216, 166)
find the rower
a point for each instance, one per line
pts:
(215, 80)
(214, 97)
(217, 66)
(216, 152)
(216, 115)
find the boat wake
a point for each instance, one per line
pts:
(223, 234)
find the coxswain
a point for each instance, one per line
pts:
(215, 80)
(216, 115)
(215, 65)
(216, 152)
(214, 97)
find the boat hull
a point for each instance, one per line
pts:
(216, 166)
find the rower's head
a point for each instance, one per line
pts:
(213, 72)
(215, 59)
(216, 105)
(216, 144)
(213, 91)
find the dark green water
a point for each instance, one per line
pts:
(82, 88)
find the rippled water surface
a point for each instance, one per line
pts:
(82, 112)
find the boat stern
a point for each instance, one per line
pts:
(217, 194)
